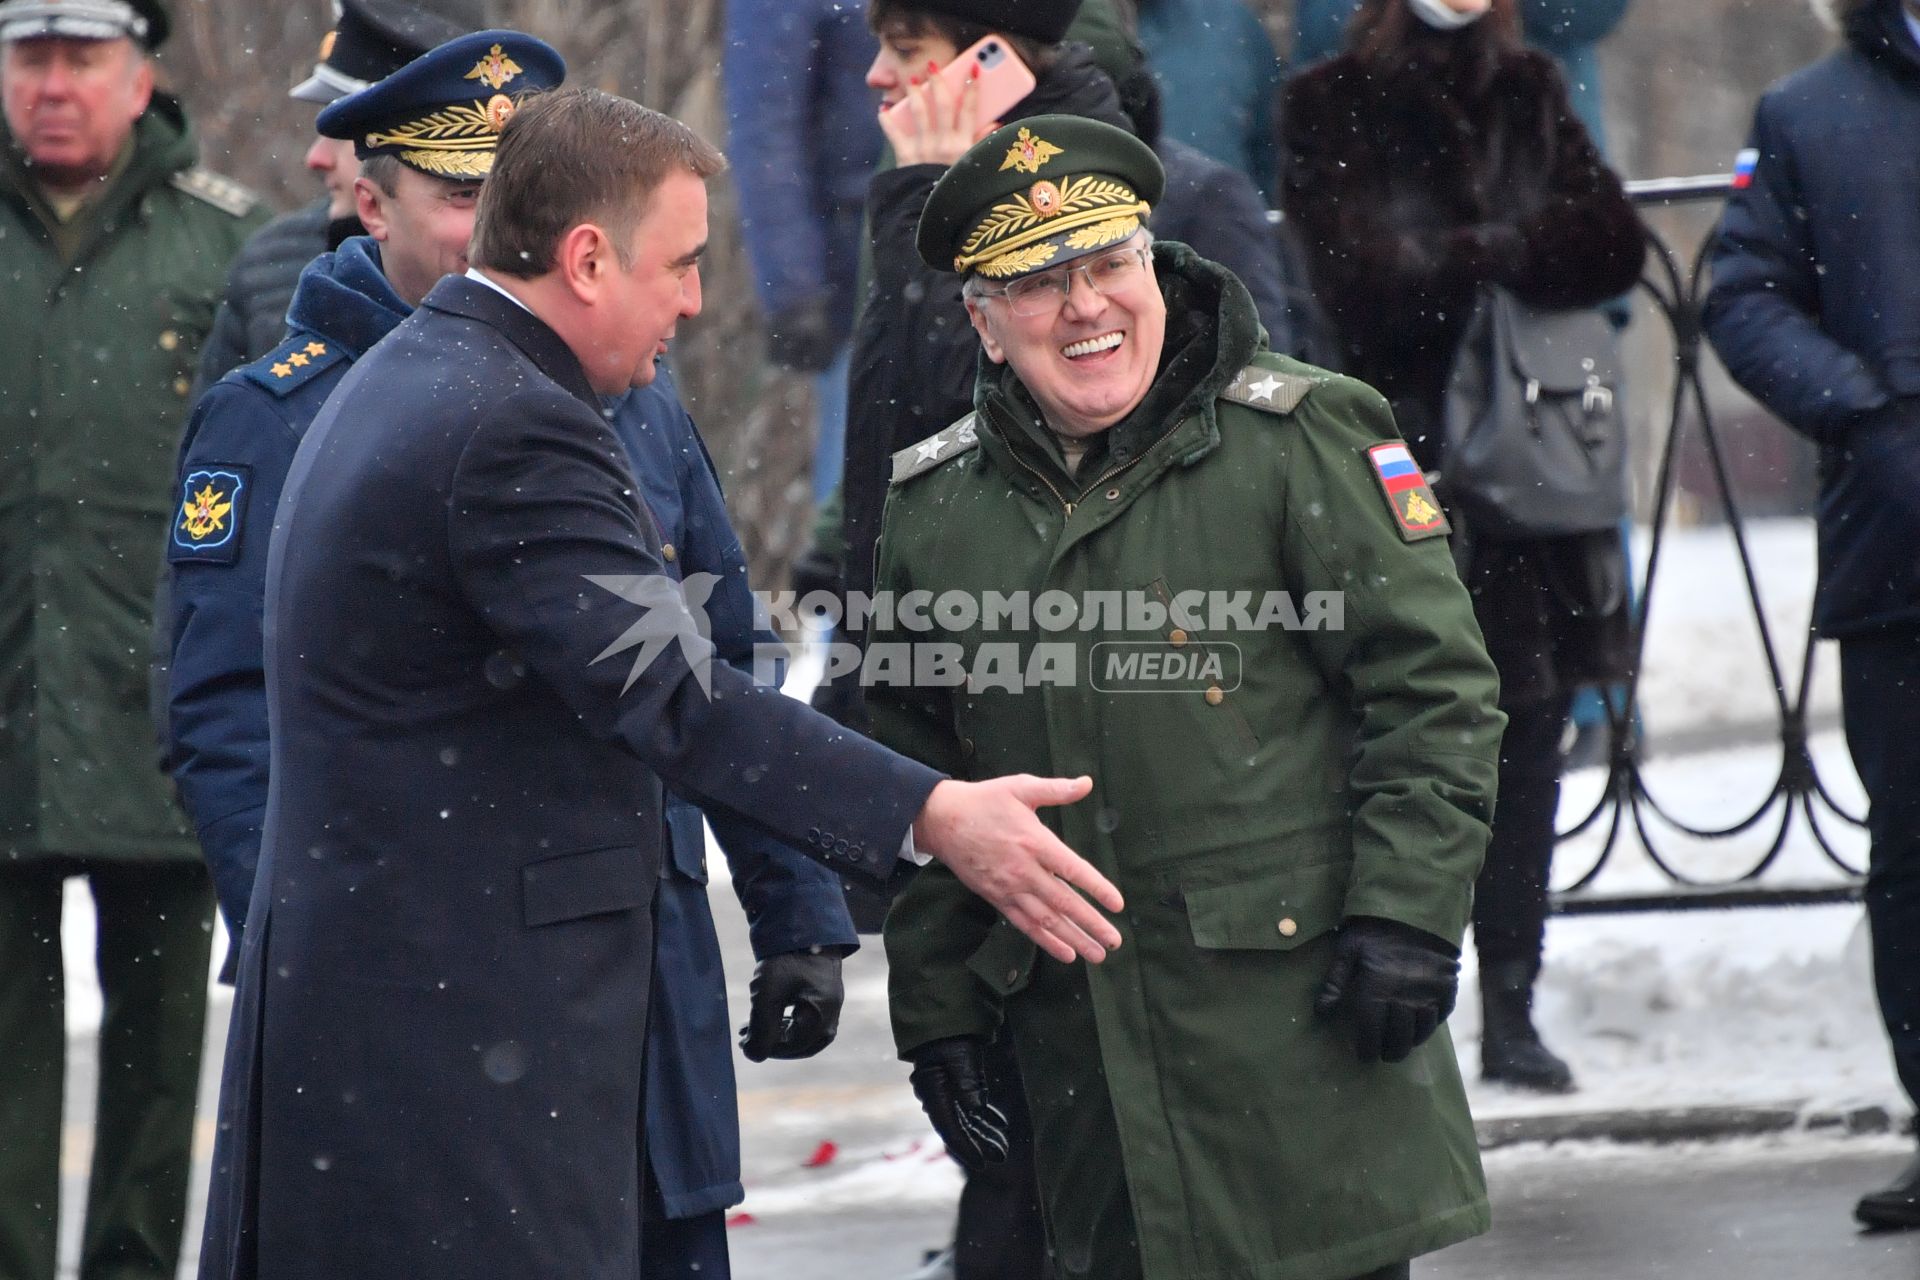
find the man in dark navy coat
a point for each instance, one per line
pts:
(479, 672)
(241, 443)
(1815, 309)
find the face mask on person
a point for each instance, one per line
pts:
(1442, 16)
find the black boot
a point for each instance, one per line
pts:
(1510, 1049)
(1895, 1207)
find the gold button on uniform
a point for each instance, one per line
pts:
(1176, 637)
(1215, 695)
(668, 553)
(169, 340)
(181, 386)
(1288, 928)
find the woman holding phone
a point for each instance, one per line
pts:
(913, 350)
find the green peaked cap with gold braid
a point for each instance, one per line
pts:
(1036, 193)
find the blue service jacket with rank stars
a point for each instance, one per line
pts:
(238, 449)
(233, 461)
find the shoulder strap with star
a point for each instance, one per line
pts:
(935, 449)
(223, 193)
(1259, 387)
(293, 363)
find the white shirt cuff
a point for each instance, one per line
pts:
(910, 854)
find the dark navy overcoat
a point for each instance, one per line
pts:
(476, 687)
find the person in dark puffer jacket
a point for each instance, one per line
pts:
(1815, 309)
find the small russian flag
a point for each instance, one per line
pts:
(1396, 466)
(1743, 166)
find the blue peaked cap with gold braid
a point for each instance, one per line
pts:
(442, 113)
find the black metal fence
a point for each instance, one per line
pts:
(1799, 795)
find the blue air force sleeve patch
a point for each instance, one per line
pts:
(213, 501)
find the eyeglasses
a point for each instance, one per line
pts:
(1043, 292)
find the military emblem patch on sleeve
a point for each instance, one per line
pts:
(206, 528)
(1416, 512)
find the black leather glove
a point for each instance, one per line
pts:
(802, 337)
(1393, 982)
(794, 1005)
(950, 1079)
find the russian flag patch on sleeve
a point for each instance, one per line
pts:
(1416, 512)
(1743, 166)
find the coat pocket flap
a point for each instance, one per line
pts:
(1005, 960)
(587, 883)
(1274, 912)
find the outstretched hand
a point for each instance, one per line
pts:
(988, 835)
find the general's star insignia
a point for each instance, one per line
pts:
(282, 370)
(316, 348)
(495, 69)
(1264, 388)
(298, 359)
(929, 449)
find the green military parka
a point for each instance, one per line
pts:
(94, 375)
(1253, 786)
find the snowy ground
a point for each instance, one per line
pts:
(1672, 1010)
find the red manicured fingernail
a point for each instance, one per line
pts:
(973, 73)
(932, 66)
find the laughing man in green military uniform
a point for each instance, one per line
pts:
(113, 250)
(1293, 797)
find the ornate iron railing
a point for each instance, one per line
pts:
(1676, 287)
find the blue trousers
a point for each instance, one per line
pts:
(1880, 700)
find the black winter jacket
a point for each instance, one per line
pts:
(1815, 306)
(913, 348)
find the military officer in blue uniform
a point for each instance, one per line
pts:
(234, 463)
